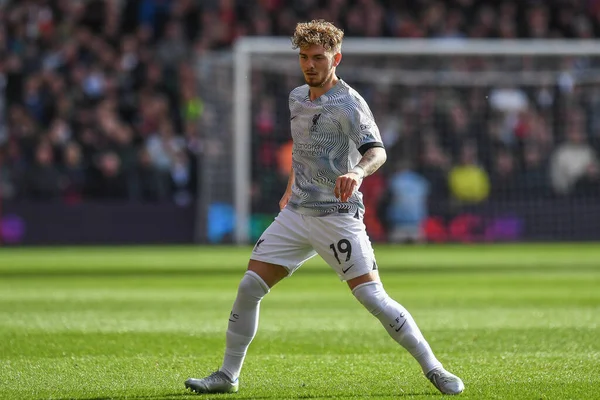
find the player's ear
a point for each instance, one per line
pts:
(337, 58)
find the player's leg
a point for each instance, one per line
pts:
(397, 321)
(243, 324)
(282, 249)
(343, 242)
(243, 319)
(401, 326)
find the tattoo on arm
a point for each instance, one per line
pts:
(372, 160)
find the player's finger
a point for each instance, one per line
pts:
(353, 185)
(343, 192)
(336, 189)
(349, 189)
(346, 185)
(350, 185)
(340, 187)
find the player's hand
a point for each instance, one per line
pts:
(284, 200)
(345, 185)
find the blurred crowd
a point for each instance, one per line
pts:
(100, 99)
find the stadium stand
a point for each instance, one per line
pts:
(100, 101)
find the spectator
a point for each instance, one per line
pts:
(588, 185)
(147, 183)
(108, 181)
(33, 98)
(570, 161)
(163, 146)
(122, 144)
(458, 129)
(503, 178)
(7, 187)
(407, 204)
(172, 48)
(23, 130)
(181, 179)
(43, 180)
(434, 168)
(532, 181)
(192, 106)
(58, 135)
(74, 174)
(469, 183)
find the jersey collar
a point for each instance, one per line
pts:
(340, 84)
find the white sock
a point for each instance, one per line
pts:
(398, 322)
(243, 322)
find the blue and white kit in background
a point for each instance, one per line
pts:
(330, 135)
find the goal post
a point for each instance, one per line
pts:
(275, 53)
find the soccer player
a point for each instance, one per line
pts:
(336, 144)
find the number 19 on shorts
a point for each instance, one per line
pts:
(342, 247)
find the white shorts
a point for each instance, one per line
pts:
(340, 239)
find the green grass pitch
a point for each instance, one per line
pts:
(514, 321)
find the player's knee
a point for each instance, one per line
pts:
(372, 296)
(252, 286)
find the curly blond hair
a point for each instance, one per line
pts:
(318, 32)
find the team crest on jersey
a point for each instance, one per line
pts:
(315, 119)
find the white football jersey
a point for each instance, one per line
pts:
(330, 135)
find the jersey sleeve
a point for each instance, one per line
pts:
(295, 95)
(362, 127)
(291, 100)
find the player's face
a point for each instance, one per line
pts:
(317, 64)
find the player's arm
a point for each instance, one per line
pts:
(363, 131)
(288, 191)
(370, 162)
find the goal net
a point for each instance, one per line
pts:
(486, 140)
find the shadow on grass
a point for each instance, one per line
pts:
(162, 396)
(177, 395)
(182, 395)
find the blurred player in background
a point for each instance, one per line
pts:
(336, 144)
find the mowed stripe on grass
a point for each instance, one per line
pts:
(511, 330)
